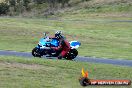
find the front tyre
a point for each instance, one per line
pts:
(36, 53)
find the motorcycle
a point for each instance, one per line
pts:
(43, 48)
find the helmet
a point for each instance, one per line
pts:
(58, 34)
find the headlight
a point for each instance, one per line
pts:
(39, 44)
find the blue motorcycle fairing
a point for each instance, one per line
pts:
(75, 44)
(52, 42)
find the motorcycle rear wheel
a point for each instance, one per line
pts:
(71, 54)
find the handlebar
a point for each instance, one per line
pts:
(45, 34)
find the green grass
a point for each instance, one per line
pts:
(91, 22)
(100, 37)
(17, 72)
(96, 24)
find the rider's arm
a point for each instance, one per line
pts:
(57, 48)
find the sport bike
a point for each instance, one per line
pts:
(43, 48)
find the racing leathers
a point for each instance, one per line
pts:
(63, 48)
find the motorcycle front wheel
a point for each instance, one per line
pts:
(36, 53)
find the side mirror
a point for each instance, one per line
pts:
(44, 34)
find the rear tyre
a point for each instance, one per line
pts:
(36, 53)
(71, 54)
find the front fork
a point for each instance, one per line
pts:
(40, 51)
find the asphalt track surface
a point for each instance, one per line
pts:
(79, 58)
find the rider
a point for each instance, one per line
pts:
(64, 46)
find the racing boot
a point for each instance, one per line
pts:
(60, 57)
